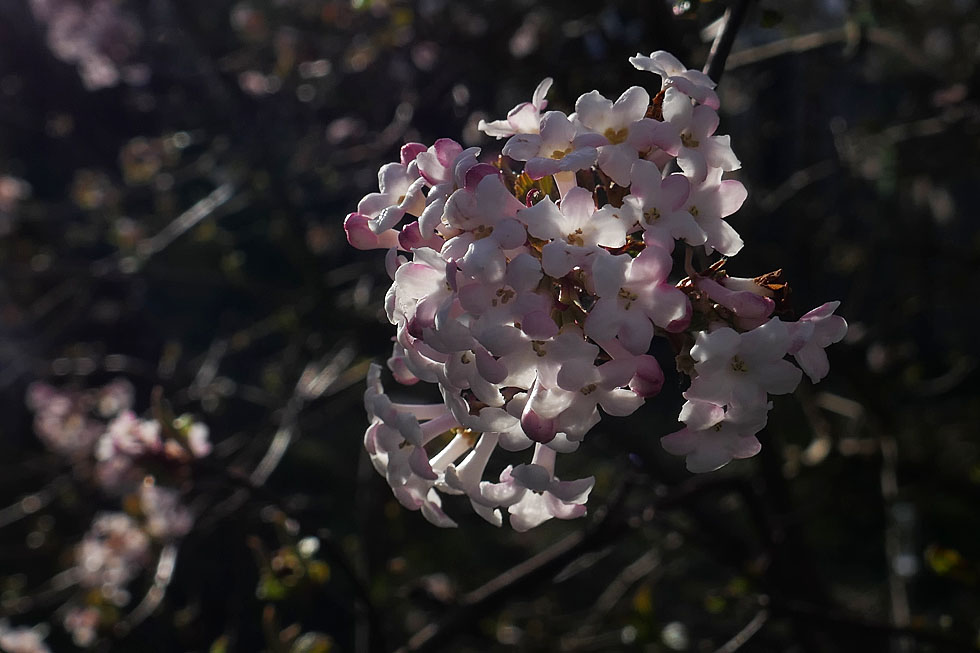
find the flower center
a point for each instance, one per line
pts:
(559, 154)
(651, 215)
(738, 365)
(689, 141)
(482, 231)
(575, 238)
(616, 136)
(630, 297)
(693, 210)
(504, 295)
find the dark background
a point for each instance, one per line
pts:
(858, 126)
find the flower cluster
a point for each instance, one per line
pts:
(105, 440)
(95, 35)
(21, 640)
(532, 298)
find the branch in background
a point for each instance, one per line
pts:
(31, 503)
(747, 633)
(608, 528)
(155, 595)
(722, 46)
(177, 227)
(840, 621)
(849, 34)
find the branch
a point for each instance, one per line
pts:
(722, 46)
(747, 633)
(607, 528)
(847, 622)
(155, 595)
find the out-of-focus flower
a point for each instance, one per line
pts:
(163, 513)
(113, 552)
(21, 640)
(97, 36)
(83, 623)
(128, 439)
(12, 191)
(69, 422)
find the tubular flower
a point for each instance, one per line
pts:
(531, 296)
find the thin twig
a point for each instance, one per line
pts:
(155, 595)
(608, 527)
(611, 525)
(848, 34)
(31, 503)
(177, 227)
(631, 574)
(281, 441)
(845, 621)
(49, 593)
(747, 632)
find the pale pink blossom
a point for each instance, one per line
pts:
(814, 332)
(522, 119)
(713, 436)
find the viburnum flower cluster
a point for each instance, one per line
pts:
(531, 297)
(106, 442)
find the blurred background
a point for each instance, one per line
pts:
(173, 181)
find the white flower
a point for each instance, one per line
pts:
(814, 332)
(739, 369)
(615, 122)
(710, 201)
(674, 74)
(556, 148)
(401, 193)
(575, 230)
(633, 296)
(521, 119)
(700, 148)
(658, 206)
(544, 496)
(713, 436)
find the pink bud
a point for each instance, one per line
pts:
(475, 175)
(649, 377)
(399, 368)
(743, 303)
(411, 238)
(359, 234)
(536, 427)
(411, 150)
